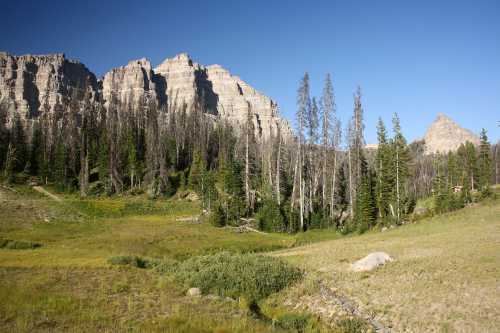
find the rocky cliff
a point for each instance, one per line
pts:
(444, 135)
(30, 84)
(178, 83)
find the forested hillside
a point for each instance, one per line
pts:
(325, 176)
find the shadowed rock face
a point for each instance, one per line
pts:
(29, 82)
(444, 135)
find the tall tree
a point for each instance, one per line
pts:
(384, 182)
(327, 105)
(400, 169)
(303, 107)
(484, 163)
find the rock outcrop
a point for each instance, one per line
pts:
(32, 83)
(444, 135)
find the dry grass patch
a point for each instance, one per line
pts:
(445, 277)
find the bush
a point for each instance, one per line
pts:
(133, 261)
(217, 217)
(18, 245)
(296, 322)
(251, 276)
(269, 217)
(351, 325)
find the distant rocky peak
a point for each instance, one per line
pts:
(445, 135)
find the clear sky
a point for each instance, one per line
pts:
(417, 58)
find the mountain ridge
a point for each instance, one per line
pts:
(34, 83)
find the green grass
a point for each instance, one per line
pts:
(69, 284)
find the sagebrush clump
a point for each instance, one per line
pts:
(18, 245)
(234, 275)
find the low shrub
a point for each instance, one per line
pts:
(133, 261)
(270, 218)
(217, 217)
(295, 322)
(351, 325)
(234, 275)
(18, 245)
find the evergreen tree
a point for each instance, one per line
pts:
(303, 108)
(35, 149)
(197, 173)
(484, 164)
(441, 191)
(132, 162)
(60, 164)
(10, 163)
(400, 171)
(4, 135)
(327, 106)
(384, 181)
(19, 144)
(365, 213)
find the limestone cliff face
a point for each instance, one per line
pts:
(30, 83)
(445, 135)
(133, 85)
(183, 82)
(235, 97)
(27, 83)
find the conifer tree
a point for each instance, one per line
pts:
(400, 169)
(484, 163)
(303, 107)
(365, 212)
(327, 105)
(19, 144)
(4, 135)
(384, 181)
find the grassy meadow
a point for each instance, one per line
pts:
(445, 277)
(67, 284)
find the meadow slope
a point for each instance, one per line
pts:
(446, 276)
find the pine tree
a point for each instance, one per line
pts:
(484, 164)
(60, 164)
(365, 213)
(327, 105)
(19, 144)
(400, 170)
(10, 163)
(196, 173)
(384, 182)
(303, 107)
(132, 163)
(441, 191)
(4, 135)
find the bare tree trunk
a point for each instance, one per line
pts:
(278, 168)
(332, 198)
(397, 184)
(294, 191)
(247, 169)
(350, 185)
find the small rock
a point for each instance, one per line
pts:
(194, 292)
(371, 261)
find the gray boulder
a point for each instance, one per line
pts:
(194, 292)
(371, 261)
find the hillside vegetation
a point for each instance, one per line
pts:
(445, 277)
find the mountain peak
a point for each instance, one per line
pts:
(445, 135)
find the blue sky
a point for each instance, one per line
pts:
(417, 58)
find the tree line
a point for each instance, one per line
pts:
(324, 177)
